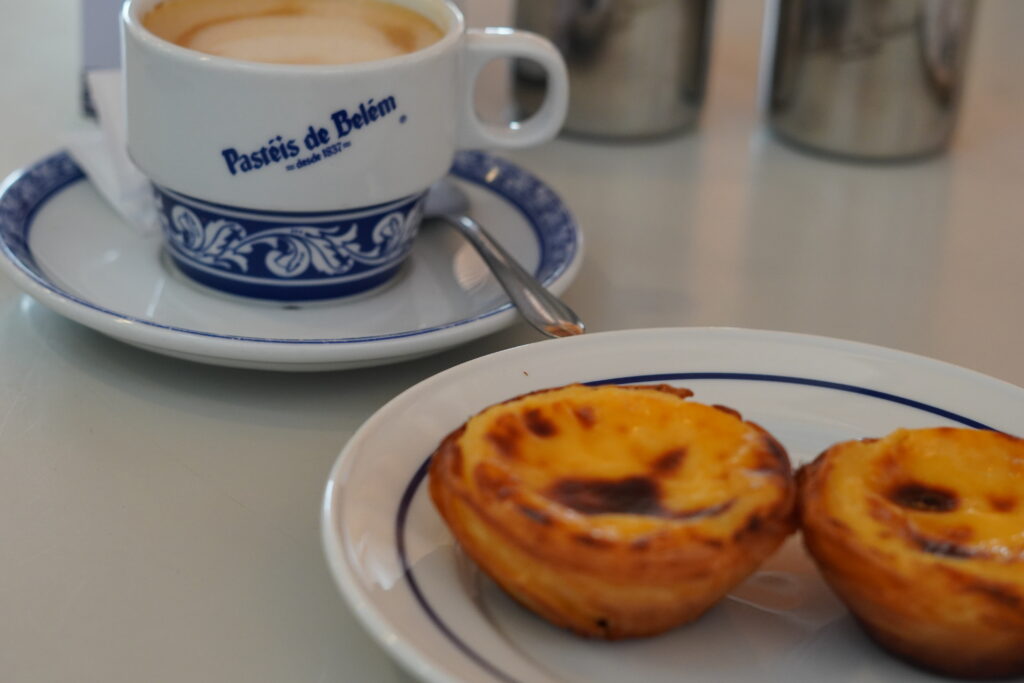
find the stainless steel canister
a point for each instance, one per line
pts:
(636, 67)
(874, 79)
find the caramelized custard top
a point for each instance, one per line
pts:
(626, 458)
(953, 493)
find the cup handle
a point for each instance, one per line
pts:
(485, 45)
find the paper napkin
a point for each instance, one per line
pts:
(101, 152)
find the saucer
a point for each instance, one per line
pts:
(398, 566)
(62, 244)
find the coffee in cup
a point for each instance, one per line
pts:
(293, 31)
(282, 174)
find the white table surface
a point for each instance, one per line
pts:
(159, 519)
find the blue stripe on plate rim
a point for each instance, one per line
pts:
(558, 237)
(411, 489)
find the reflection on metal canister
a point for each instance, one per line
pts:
(874, 79)
(636, 67)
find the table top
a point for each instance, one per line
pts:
(159, 518)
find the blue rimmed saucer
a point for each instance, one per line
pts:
(63, 245)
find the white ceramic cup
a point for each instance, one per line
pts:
(291, 182)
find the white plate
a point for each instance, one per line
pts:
(396, 564)
(62, 244)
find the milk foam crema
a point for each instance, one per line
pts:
(293, 31)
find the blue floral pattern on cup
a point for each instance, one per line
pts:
(288, 256)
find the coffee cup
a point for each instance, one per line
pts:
(305, 181)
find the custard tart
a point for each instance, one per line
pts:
(921, 534)
(614, 511)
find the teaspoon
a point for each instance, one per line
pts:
(542, 309)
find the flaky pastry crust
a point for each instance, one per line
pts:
(921, 534)
(613, 511)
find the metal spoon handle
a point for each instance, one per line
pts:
(538, 306)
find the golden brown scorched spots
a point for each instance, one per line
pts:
(449, 453)
(778, 453)
(669, 461)
(591, 541)
(753, 525)
(1001, 593)
(585, 415)
(924, 498)
(538, 424)
(505, 435)
(641, 544)
(959, 534)
(494, 480)
(632, 495)
(707, 511)
(1003, 503)
(535, 515)
(665, 388)
(728, 411)
(938, 546)
(456, 462)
